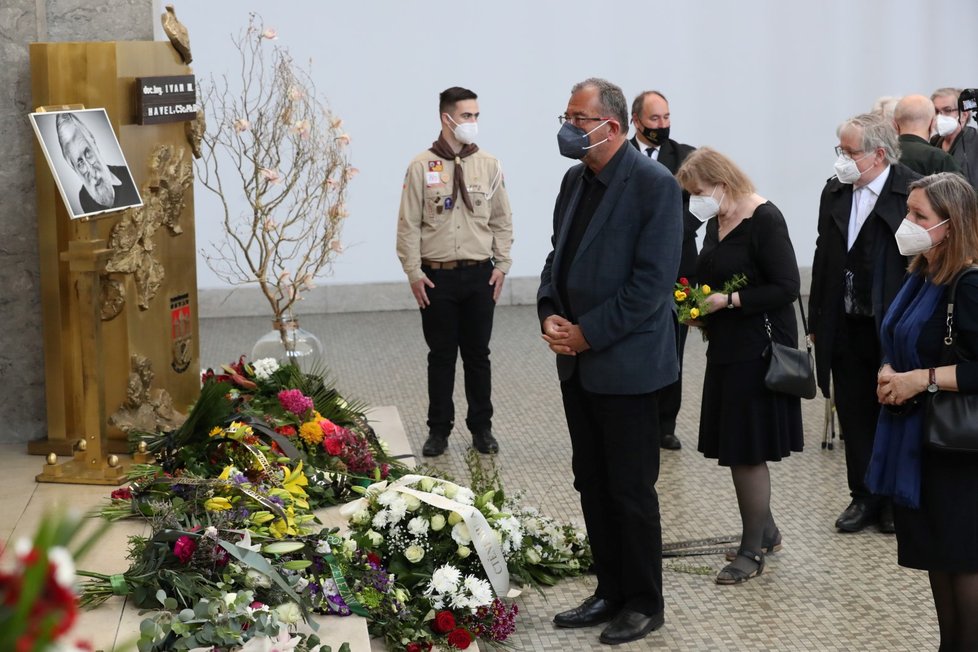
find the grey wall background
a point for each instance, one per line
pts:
(764, 81)
(21, 22)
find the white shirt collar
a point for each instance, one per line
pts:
(876, 185)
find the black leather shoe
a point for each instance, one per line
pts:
(435, 445)
(856, 517)
(631, 625)
(484, 442)
(592, 611)
(670, 442)
(885, 524)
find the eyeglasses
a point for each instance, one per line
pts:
(839, 152)
(949, 111)
(577, 119)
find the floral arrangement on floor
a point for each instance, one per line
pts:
(235, 554)
(551, 550)
(262, 413)
(451, 549)
(38, 602)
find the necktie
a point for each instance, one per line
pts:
(650, 151)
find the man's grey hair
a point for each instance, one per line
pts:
(947, 91)
(877, 132)
(67, 125)
(610, 97)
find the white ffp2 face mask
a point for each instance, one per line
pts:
(846, 169)
(913, 239)
(466, 132)
(946, 125)
(703, 207)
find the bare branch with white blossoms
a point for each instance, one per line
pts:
(272, 146)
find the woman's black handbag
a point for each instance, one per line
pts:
(951, 418)
(790, 371)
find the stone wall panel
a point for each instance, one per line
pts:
(21, 350)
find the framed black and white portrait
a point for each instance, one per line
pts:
(86, 160)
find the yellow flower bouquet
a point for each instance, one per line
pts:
(691, 301)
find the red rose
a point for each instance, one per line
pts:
(184, 548)
(123, 493)
(444, 622)
(413, 647)
(374, 558)
(329, 428)
(288, 431)
(683, 280)
(460, 638)
(333, 445)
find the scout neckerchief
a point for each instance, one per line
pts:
(441, 148)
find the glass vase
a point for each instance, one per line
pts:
(290, 344)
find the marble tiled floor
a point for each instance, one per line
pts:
(823, 591)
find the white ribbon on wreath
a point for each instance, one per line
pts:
(483, 537)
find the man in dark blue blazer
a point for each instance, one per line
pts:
(606, 309)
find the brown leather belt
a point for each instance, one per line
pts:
(453, 264)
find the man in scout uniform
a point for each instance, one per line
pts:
(454, 232)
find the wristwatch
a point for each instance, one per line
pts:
(730, 303)
(932, 377)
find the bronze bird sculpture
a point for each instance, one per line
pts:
(177, 33)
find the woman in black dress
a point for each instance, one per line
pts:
(935, 493)
(743, 424)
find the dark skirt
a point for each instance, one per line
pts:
(742, 422)
(943, 534)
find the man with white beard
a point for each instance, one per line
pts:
(104, 186)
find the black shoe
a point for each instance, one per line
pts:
(435, 445)
(484, 442)
(856, 517)
(592, 611)
(732, 574)
(670, 442)
(631, 625)
(885, 524)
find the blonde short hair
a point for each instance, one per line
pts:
(708, 166)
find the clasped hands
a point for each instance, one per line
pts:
(893, 388)
(563, 337)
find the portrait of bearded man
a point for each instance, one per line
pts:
(96, 178)
(104, 186)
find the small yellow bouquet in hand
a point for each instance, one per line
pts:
(691, 302)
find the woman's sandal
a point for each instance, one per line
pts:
(733, 575)
(768, 545)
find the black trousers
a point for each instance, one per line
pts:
(671, 396)
(615, 444)
(459, 320)
(855, 363)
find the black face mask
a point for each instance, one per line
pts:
(656, 136)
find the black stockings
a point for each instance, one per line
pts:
(753, 487)
(956, 600)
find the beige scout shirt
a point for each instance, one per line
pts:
(427, 228)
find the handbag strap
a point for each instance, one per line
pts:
(804, 323)
(951, 331)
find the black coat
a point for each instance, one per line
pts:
(672, 155)
(924, 158)
(825, 305)
(964, 149)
